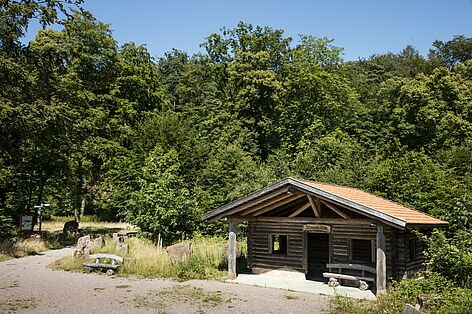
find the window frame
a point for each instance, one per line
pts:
(372, 251)
(271, 238)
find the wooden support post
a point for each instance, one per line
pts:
(315, 208)
(381, 261)
(232, 251)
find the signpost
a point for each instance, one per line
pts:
(40, 209)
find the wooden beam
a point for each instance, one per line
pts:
(303, 220)
(275, 205)
(250, 204)
(232, 251)
(300, 210)
(315, 208)
(381, 263)
(267, 203)
(336, 210)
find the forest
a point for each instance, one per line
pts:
(93, 127)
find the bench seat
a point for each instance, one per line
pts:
(347, 277)
(361, 279)
(110, 267)
(101, 265)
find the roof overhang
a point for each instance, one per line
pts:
(282, 186)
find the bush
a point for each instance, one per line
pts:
(451, 299)
(451, 257)
(162, 205)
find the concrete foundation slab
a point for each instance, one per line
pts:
(294, 281)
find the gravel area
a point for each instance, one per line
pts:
(28, 286)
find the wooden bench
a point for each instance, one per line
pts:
(110, 268)
(361, 280)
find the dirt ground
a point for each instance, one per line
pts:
(28, 286)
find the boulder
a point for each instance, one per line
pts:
(99, 242)
(180, 251)
(115, 237)
(122, 247)
(85, 244)
(83, 247)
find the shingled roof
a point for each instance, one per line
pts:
(354, 199)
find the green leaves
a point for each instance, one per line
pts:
(162, 205)
(112, 131)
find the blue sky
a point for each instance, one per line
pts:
(361, 27)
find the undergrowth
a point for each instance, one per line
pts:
(17, 247)
(447, 298)
(146, 260)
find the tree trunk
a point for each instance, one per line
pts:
(82, 206)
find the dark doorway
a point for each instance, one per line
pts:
(318, 255)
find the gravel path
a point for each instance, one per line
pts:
(28, 286)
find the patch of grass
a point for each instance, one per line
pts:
(451, 299)
(87, 224)
(68, 263)
(181, 296)
(122, 286)
(16, 305)
(21, 247)
(291, 297)
(15, 284)
(98, 289)
(53, 238)
(4, 257)
(146, 260)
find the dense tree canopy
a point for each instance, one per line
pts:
(91, 127)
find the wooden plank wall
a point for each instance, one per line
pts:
(342, 234)
(260, 257)
(259, 246)
(407, 266)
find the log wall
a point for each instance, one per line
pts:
(259, 237)
(258, 246)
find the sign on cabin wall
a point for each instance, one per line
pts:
(317, 228)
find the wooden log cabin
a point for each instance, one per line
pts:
(303, 225)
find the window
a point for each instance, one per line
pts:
(361, 250)
(278, 244)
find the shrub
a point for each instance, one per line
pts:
(162, 205)
(451, 257)
(451, 299)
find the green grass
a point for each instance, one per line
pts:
(452, 299)
(146, 260)
(17, 305)
(53, 237)
(87, 224)
(184, 296)
(14, 248)
(68, 263)
(291, 297)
